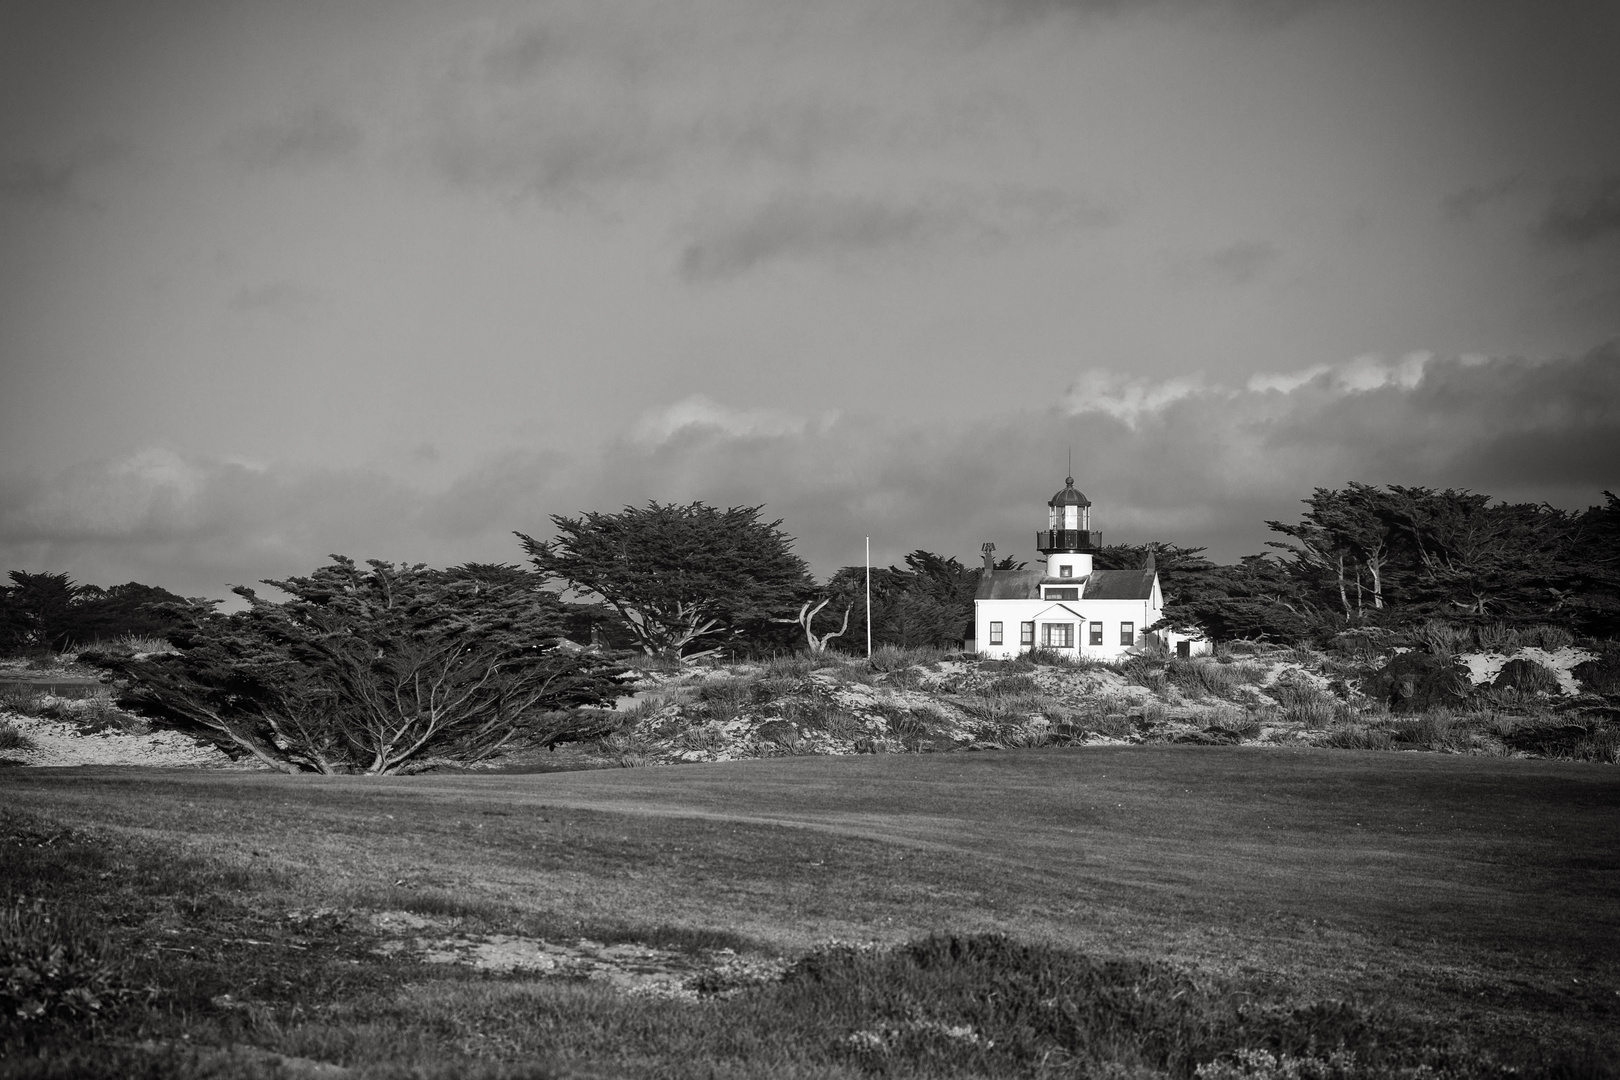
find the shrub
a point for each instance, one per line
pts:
(990, 1006)
(1311, 714)
(1414, 682)
(724, 699)
(1440, 638)
(1497, 638)
(1140, 671)
(1359, 737)
(22, 700)
(1013, 684)
(817, 714)
(1600, 676)
(13, 739)
(1592, 741)
(1551, 638)
(1526, 676)
(54, 967)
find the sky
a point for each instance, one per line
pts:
(395, 280)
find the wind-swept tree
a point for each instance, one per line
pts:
(686, 580)
(375, 669)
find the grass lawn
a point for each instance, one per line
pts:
(1467, 904)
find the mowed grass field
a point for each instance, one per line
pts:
(1470, 904)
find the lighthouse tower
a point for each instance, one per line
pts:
(1068, 542)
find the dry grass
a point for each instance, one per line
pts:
(1476, 920)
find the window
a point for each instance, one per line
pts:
(1057, 635)
(1063, 594)
(1127, 633)
(1184, 649)
(995, 633)
(1096, 633)
(1065, 571)
(1026, 634)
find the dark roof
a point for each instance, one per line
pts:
(1069, 496)
(1101, 585)
(1120, 585)
(1010, 585)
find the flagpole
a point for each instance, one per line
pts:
(869, 598)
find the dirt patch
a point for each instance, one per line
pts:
(629, 967)
(1484, 667)
(53, 743)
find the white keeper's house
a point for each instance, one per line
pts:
(1064, 605)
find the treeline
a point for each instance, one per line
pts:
(51, 612)
(690, 580)
(1393, 557)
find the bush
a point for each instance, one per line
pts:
(1551, 638)
(1310, 714)
(1140, 671)
(1416, 682)
(22, 700)
(987, 1005)
(1592, 741)
(54, 967)
(1440, 638)
(1359, 737)
(13, 739)
(1600, 676)
(1013, 684)
(1526, 676)
(1497, 638)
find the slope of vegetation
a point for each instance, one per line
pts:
(1530, 701)
(1115, 911)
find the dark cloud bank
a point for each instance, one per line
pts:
(1181, 461)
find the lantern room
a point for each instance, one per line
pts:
(1068, 542)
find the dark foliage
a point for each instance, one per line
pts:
(995, 1006)
(1417, 682)
(52, 612)
(929, 603)
(1367, 557)
(684, 581)
(380, 670)
(1602, 675)
(1526, 676)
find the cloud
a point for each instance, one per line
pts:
(1244, 12)
(1123, 398)
(1244, 260)
(1462, 204)
(312, 137)
(804, 226)
(55, 179)
(1196, 463)
(1584, 212)
(699, 415)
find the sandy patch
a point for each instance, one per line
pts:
(627, 966)
(58, 744)
(1484, 667)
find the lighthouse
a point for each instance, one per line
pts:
(1066, 606)
(1067, 541)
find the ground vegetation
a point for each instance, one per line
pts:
(376, 668)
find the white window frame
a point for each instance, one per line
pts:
(1065, 631)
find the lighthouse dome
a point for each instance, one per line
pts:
(1069, 496)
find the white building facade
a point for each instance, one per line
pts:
(1065, 605)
